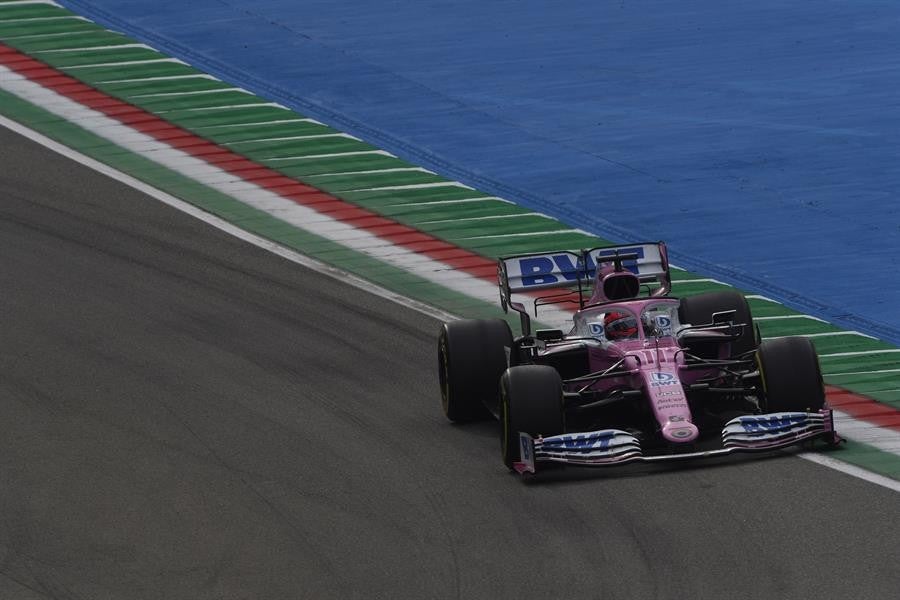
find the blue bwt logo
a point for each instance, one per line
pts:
(580, 442)
(771, 424)
(557, 268)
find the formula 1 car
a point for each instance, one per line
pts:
(640, 377)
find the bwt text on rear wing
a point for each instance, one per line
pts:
(576, 270)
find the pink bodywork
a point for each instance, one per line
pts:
(654, 365)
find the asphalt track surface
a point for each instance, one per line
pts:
(187, 416)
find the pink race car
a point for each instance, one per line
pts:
(641, 376)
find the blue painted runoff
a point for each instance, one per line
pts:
(760, 139)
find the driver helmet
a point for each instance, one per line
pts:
(619, 326)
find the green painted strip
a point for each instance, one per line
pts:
(870, 362)
(82, 40)
(63, 60)
(339, 183)
(462, 230)
(260, 132)
(692, 289)
(849, 343)
(93, 75)
(228, 116)
(127, 90)
(315, 166)
(494, 247)
(436, 212)
(795, 327)
(762, 308)
(377, 198)
(28, 28)
(268, 150)
(163, 104)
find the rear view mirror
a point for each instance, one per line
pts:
(725, 316)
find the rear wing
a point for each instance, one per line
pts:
(567, 269)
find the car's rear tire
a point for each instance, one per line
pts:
(531, 400)
(790, 375)
(699, 309)
(472, 355)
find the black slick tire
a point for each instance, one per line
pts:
(790, 375)
(531, 400)
(472, 355)
(699, 309)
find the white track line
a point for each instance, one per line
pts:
(415, 186)
(852, 470)
(374, 171)
(527, 234)
(191, 93)
(272, 122)
(823, 334)
(159, 78)
(779, 317)
(33, 19)
(127, 62)
(23, 2)
(860, 353)
(32, 36)
(225, 107)
(488, 218)
(699, 280)
(875, 372)
(312, 136)
(329, 155)
(92, 48)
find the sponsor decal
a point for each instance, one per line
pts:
(664, 324)
(764, 424)
(668, 394)
(596, 330)
(547, 270)
(583, 441)
(539, 271)
(631, 265)
(659, 379)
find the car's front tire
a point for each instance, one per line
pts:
(790, 375)
(531, 400)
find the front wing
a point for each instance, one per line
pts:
(749, 433)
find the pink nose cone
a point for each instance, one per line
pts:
(680, 431)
